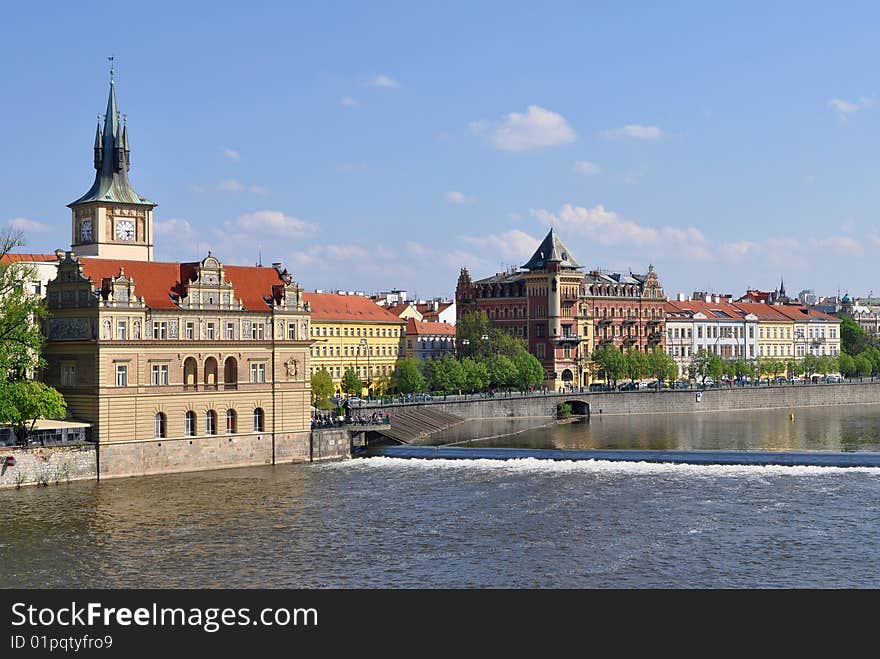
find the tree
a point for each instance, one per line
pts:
(476, 375)
(21, 341)
(863, 364)
(502, 371)
(22, 402)
(853, 340)
(444, 374)
(529, 371)
(351, 383)
(407, 377)
(636, 364)
(322, 385)
(475, 337)
(660, 365)
(700, 364)
(741, 368)
(811, 365)
(611, 362)
(847, 364)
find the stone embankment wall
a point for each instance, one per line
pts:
(36, 466)
(48, 465)
(652, 402)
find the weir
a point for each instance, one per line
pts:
(752, 458)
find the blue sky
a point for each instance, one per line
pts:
(385, 145)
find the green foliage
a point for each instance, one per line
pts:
(863, 364)
(444, 374)
(635, 364)
(351, 383)
(22, 402)
(322, 387)
(475, 337)
(847, 364)
(21, 340)
(476, 374)
(502, 371)
(660, 365)
(853, 340)
(563, 410)
(529, 371)
(611, 363)
(811, 364)
(407, 377)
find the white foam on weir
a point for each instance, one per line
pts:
(532, 465)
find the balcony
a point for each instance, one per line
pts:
(569, 338)
(604, 320)
(230, 386)
(655, 336)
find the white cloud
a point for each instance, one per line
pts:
(176, 227)
(537, 128)
(348, 101)
(269, 222)
(586, 167)
(841, 244)
(230, 185)
(26, 225)
(512, 244)
(258, 189)
(513, 216)
(231, 154)
(608, 228)
(633, 131)
(458, 198)
(380, 81)
(845, 108)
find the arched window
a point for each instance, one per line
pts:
(231, 422)
(230, 373)
(189, 424)
(210, 373)
(190, 373)
(259, 420)
(211, 422)
(161, 426)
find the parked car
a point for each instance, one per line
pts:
(658, 384)
(628, 386)
(833, 378)
(708, 382)
(601, 386)
(781, 379)
(681, 384)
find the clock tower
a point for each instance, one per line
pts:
(111, 220)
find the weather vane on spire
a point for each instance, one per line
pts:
(112, 60)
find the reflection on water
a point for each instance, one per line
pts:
(844, 428)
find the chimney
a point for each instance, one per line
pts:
(681, 297)
(59, 254)
(717, 299)
(707, 298)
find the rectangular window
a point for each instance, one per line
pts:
(258, 373)
(257, 330)
(120, 330)
(68, 375)
(540, 350)
(291, 331)
(230, 331)
(160, 330)
(566, 352)
(190, 330)
(209, 331)
(121, 375)
(160, 374)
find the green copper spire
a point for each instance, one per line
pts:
(112, 161)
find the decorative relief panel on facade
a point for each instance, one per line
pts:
(66, 329)
(136, 330)
(246, 328)
(172, 328)
(105, 333)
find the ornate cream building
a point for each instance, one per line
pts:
(178, 365)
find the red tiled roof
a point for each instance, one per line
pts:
(415, 327)
(805, 313)
(330, 306)
(714, 310)
(28, 258)
(428, 307)
(762, 311)
(398, 308)
(155, 281)
(756, 296)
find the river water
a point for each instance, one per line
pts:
(387, 522)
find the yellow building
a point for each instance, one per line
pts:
(353, 332)
(775, 330)
(814, 333)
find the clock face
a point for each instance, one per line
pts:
(125, 230)
(85, 230)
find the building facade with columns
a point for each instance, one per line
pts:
(177, 365)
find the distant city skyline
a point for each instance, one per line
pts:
(379, 147)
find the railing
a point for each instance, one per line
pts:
(227, 386)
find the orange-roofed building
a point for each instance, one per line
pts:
(429, 340)
(352, 332)
(178, 366)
